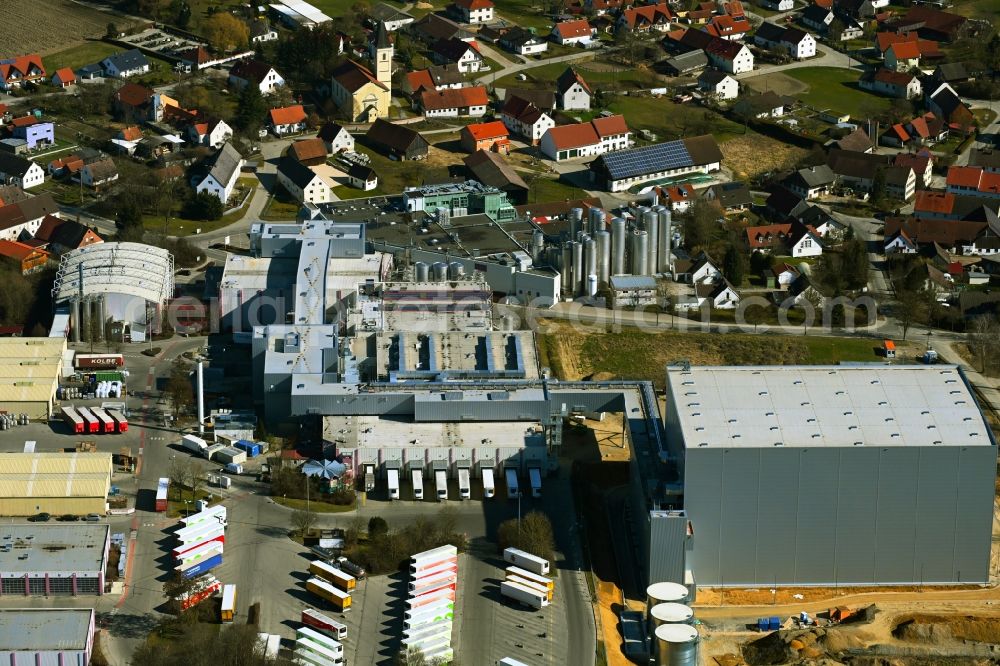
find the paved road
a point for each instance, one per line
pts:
(829, 58)
(520, 67)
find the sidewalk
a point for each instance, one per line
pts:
(988, 388)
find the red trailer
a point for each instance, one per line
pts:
(121, 423)
(106, 423)
(98, 361)
(161, 494)
(90, 421)
(73, 420)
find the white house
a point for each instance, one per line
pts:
(729, 56)
(336, 138)
(287, 120)
(27, 216)
(455, 102)
(15, 170)
(797, 43)
(523, 42)
(524, 118)
(125, 64)
(303, 183)
(472, 11)
(704, 271)
(719, 84)
(572, 92)
(777, 5)
(902, 85)
(791, 237)
(465, 56)
(261, 31)
(246, 72)
(577, 31)
(98, 173)
(223, 173)
(362, 177)
(599, 136)
(212, 133)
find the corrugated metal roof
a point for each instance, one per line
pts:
(22, 348)
(26, 390)
(61, 548)
(54, 474)
(44, 629)
(632, 282)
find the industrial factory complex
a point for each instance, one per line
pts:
(761, 476)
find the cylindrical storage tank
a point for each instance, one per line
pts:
(675, 645)
(567, 267)
(617, 246)
(439, 271)
(421, 272)
(592, 284)
(578, 277)
(666, 592)
(669, 613)
(640, 253)
(664, 231)
(649, 219)
(590, 256)
(596, 220)
(575, 224)
(537, 246)
(603, 257)
(455, 270)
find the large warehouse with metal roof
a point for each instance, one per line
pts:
(29, 375)
(55, 483)
(66, 559)
(822, 475)
(46, 636)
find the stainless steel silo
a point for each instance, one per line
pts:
(675, 645)
(578, 276)
(566, 267)
(617, 246)
(603, 257)
(575, 222)
(421, 271)
(650, 224)
(439, 271)
(640, 253)
(596, 220)
(664, 223)
(537, 246)
(455, 270)
(590, 256)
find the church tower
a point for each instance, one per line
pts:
(382, 51)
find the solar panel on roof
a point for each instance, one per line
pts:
(647, 159)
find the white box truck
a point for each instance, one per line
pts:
(512, 489)
(417, 476)
(510, 661)
(464, 489)
(489, 488)
(534, 598)
(441, 482)
(392, 480)
(535, 476)
(532, 563)
(194, 444)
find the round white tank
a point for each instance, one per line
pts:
(670, 613)
(676, 645)
(592, 284)
(665, 592)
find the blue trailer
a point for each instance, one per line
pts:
(252, 449)
(203, 566)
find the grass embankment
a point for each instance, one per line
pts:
(632, 354)
(316, 506)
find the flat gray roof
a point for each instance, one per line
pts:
(37, 629)
(39, 548)
(890, 405)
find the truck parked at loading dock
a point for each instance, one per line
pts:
(441, 482)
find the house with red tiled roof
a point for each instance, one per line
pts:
(436, 77)
(455, 102)
(15, 72)
(472, 11)
(646, 18)
(677, 197)
(600, 135)
(211, 132)
(892, 83)
(309, 152)
(524, 118)
(926, 48)
(973, 180)
(130, 133)
(922, 163)
(726, 27)
(602, 7)
(492, 136)
(730, 57)
(63, 78)
(28, 259)
(792, 238)
(902, 57)
(287, 120)
(59, 236)
(578, 31)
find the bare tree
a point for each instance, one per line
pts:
(178, 475)
(910, 306)
(195, 474)
(304, 520)
(984, 340)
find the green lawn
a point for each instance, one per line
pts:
(280, 208)
(621, 78)
(984, 9)
(527, 14)
(837, 89)
(393, 175)
(78, 56)
(672, 121)
(547, 189)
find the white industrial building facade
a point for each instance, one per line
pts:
(853, 475)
